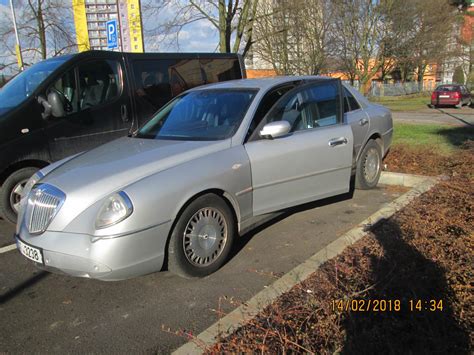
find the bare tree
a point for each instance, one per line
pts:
(361, 34)
(233, 19)
(292, 36)
(46, 29)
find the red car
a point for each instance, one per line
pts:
(451, 95)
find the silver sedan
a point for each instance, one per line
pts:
(202, 171)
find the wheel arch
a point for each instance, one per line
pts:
(36, 163)
(377, 137)
(226, 197)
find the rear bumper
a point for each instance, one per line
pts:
(108, 259)
(447, 102)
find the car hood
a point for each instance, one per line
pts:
(112, 166)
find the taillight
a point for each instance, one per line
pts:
(433, 96)
(456, 95)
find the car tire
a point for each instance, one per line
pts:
(11, 190)
(369, 166)
(202, 237)
(458, 105)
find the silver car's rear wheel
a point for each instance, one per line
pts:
(205, 237)
(202, 237)
(369, 166)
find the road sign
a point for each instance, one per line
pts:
(112, 36)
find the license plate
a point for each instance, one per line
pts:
(444, 96)
(30, 252)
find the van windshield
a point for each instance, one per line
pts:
(25, 83)
(200, 115)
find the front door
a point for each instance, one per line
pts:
(98, 107)
(310, 163)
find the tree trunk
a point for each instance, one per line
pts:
(41, 29)
(222, 26)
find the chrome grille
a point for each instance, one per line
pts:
(44, 201)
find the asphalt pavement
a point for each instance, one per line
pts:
(43, 312)
(450, 116)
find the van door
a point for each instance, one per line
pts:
(97, 105)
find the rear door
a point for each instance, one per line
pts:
(357, 118)
(313, 161)
(98, 107)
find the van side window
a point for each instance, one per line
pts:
(159, 80)
(152, 85)
(220, 69)
(99, 82)
(66, 87)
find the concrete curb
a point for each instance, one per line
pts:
(244, 313)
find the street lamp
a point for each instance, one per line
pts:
(17, 47)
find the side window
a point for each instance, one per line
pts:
(265, 105)
(99, 82)
(152, 83)
(220, 69)
(312, 107)
(184, 75)
(66, 87)
(350, 103)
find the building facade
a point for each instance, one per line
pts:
(91, 16)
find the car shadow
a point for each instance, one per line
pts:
(7, 296)
(455, 117)
(402, 273)
(457, 136)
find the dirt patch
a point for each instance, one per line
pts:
(406, 287)
(429, 161)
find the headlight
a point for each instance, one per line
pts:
(115, 209)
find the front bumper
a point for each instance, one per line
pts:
(108, 259)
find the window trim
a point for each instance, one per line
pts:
(303, 86)
(293, 85)
(348, 103)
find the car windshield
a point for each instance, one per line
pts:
(200, 115)
(25, 83)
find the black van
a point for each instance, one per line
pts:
(68, 104)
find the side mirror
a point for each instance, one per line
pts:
(275, 129)
(57, 104)
(46, 106)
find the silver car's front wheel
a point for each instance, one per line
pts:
(205, 237)
(202, 237)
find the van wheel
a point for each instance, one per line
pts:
(369, 166)
(10, 193)
(202, 237)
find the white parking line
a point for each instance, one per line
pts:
(7, 248)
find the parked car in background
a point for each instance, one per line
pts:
(451, 95)
(203, 170)
(69, 104)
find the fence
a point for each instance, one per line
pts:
(397, 89)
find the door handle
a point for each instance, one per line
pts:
(124, 113)
(337, 141)
(363, 121)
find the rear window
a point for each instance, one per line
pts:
(448, 88)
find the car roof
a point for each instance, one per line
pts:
(260, 83)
